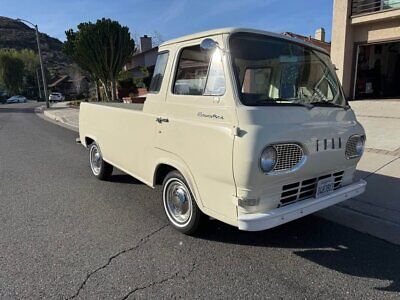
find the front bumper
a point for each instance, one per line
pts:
(279, 216)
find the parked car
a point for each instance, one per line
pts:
(16, 99)
(245, 126)
(56, 97)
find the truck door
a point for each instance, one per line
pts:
(198, 122)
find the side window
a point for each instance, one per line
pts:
(324, 90)
(257, 81)
(310, 81)
(159, 71)
(289, 81)
(199, 73)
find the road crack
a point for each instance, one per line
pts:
(141, 242)
(154, 283)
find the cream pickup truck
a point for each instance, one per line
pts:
(245, 126)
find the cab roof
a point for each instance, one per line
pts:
(230, 30)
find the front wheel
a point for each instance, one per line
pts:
(180, 205)
(100, 168)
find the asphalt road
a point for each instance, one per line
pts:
(66, 235)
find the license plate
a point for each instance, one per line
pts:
(325, 187)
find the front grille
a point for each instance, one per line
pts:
(305, 189)
(351, 146)
(289, 156)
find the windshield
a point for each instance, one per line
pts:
(274, 71)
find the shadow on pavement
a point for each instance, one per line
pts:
(124, 178)
(58, 108)
(5, 109)
(327, 244)
(382, 191)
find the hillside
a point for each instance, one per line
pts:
(17, 35)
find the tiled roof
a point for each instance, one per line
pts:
(58, 81)
(66, 78)
(324, 45)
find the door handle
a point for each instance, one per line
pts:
(162, 120)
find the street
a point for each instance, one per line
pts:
(66, 235)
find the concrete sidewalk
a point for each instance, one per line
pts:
(377, 211)
(63, 114)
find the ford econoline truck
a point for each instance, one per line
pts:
(245, 126)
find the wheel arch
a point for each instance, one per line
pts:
(161, 172)
(88, 139)
(166, 165)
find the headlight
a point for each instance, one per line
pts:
(355, 146)
(268, 159)
(360, 146)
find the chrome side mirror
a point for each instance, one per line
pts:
(208, 44)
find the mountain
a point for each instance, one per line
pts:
(17, 35)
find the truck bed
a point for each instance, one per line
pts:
(131, 106)
(125, 134)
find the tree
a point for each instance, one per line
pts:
(157, 38)
(101, 49)
(11, 72)
(30, 59)
(30, 63)
(70, 48)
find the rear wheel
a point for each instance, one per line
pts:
(180, 205)
(101, 169)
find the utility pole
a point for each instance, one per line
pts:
(38, 83)
(40, 60)
(42, 67)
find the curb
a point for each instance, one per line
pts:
(55, 117)
(41, 112)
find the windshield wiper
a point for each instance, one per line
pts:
(328, 104)
(281, 102)
(294, 102)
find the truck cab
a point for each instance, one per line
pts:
(246, 126)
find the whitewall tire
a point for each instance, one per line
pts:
(180, 205)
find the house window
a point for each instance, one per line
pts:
(199, 73)
(159, 71)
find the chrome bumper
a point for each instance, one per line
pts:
(279, 216)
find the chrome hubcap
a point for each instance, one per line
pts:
(95, 160)
(177, 201)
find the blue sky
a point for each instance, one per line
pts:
(173, 18)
